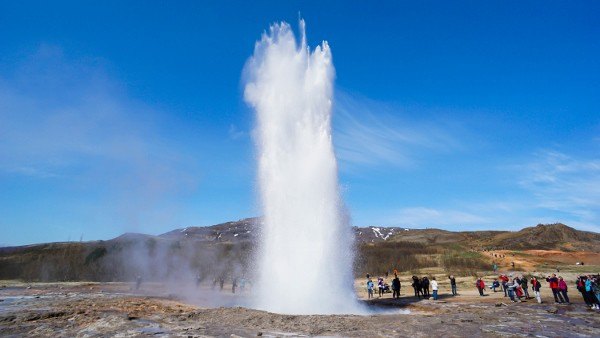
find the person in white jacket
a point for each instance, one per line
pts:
(512, 290)
(434, 287)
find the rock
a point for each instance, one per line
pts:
(259, 334)
(132, 317)
(8, 319)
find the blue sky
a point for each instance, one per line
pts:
(129, 116)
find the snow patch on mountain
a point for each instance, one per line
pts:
(378, 234)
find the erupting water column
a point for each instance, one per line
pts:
(305, 260)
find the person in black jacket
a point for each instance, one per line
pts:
(453, 284)
(396, 287)
(425, 285)
(416, 284)
(524, 287)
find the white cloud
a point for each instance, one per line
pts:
(565, 184)
(368, 133)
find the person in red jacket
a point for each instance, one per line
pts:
(504, 281)
(480, 286)
(562, 288)
(553, 281)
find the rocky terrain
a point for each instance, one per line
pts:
(114, 309)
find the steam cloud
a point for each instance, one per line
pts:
(305, 257)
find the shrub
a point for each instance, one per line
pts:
(95, 255)
(389, 256)
(464, 262)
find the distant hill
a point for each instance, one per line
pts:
(545, 237)
(226, 249)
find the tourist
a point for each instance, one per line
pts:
(495, 285)
(524, 287)
(425, 286)
(596, 289)
(370, 287)
(535, 286)
(416, 284)
(591, 285)
(512, 290)
(221, 283)
(233, 285)
(396, 287)
(480, 285)
(434, 288)
(581, 288)
(553, 281)
(586, 285)
(381, 286)
(562, 288)
(453, 284)
(138, 282)
(519, 289)
(504, 280)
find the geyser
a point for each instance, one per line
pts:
(305, 258)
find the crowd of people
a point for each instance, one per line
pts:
(515, 288)
(589, 286)
(421, 286)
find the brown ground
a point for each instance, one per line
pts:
(532, 260)
(113, 309)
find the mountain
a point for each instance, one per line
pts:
(556, 236)
(227, 248)
(543, 236)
